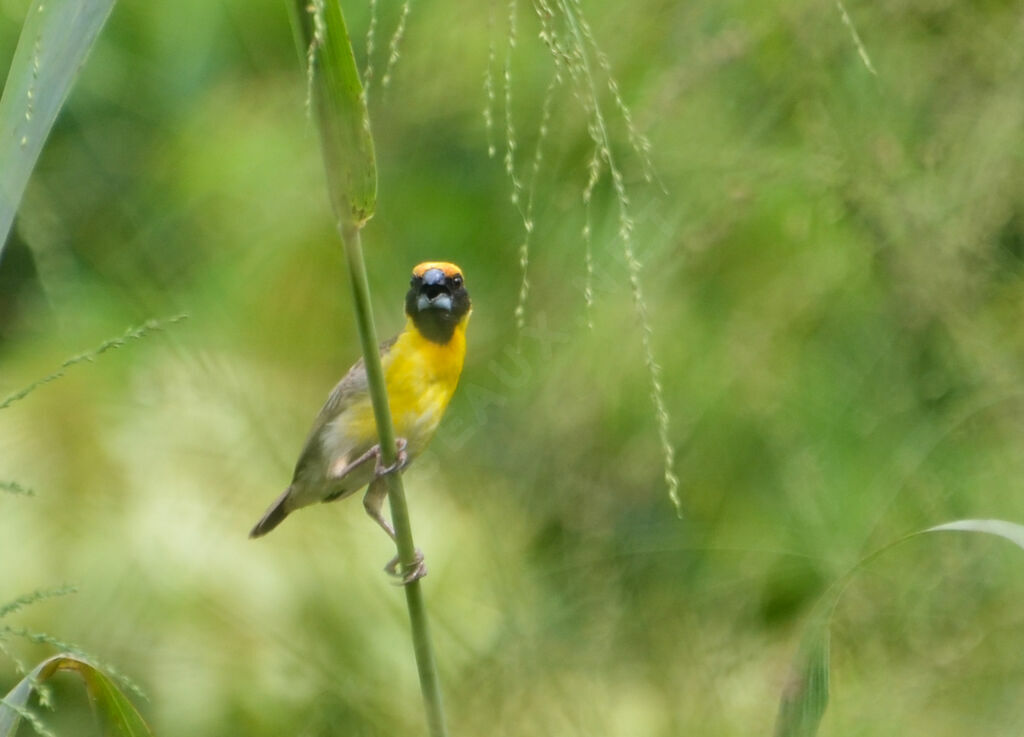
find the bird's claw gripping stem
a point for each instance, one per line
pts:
(416, 571)
(402, 461)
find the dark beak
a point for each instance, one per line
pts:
(434, 293)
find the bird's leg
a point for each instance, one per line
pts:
(399, 465)
(337, 473)
(378, 469)
(373, 502)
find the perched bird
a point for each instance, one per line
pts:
(421, 369)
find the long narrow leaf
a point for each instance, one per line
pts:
(805, 696)
(54, 42)
(1000, 528)
(337, 98)
(117, 716)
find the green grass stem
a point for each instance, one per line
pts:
(422, 643)
(339, 102)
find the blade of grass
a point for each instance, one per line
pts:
(116, 714)
(861, 51)
(805, 697)
(1000, 528)
(54, 42)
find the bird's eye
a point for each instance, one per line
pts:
(456, 281)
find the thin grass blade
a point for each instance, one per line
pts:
(805, 697)
(54, 42)
(1000, 528)
(15, 702)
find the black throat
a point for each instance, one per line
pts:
(437, 326)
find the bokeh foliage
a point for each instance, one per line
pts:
(834, 276)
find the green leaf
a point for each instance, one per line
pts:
(55, 39)
(336, 95)
(116, 714)
(1000, 528)
(806, 693)
(805, 696)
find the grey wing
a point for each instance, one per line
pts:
(352, 387)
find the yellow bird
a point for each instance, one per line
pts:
(422, 365)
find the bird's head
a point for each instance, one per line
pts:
(437, 300)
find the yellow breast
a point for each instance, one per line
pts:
(421, 377)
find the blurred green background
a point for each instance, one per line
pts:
(833, 266)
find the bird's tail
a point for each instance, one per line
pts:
(274, 515)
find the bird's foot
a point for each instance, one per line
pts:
(403, 459)
(416, 571)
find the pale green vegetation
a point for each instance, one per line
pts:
(116, 715)
(830, 262)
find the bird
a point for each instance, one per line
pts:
(422, 365)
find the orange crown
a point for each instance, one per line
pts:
(449, 269)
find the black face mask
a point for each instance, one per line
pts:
(437, 304)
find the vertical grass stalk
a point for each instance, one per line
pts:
(339, 103)
(422, 643)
